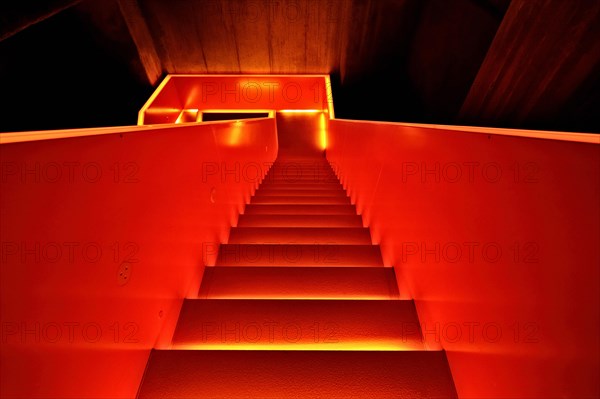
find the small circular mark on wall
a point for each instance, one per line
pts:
(124, 273)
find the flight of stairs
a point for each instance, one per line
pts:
(299, 305)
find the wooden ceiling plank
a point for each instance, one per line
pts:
(543, 52)
(249, 23)
(214, 27)
(288, 39)
(142, 38)
(173, 26)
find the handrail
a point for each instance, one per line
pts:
(538, 134)
(20, 137)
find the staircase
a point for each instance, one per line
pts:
(299, 305)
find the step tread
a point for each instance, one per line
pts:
(299, 209)
(302, 185)
(307, 178)
(297, 374)
(300, 200)
(300, 221)
(299, 255)
(298, 283)
(299, 167)
(300, 235)
(298, 324)
(298, 174)
(300, 192)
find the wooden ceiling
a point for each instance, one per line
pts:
(271, 36)
(519, 63)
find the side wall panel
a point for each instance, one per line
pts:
(101, 239)
(496, 238)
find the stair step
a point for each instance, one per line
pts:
(296, 167)
(299, 283)
(301, 186)
(301, 179)
(300, 221)
(297, 374)
(274, 192)
(293, 168)
(318, 177)
(300, 161)
(298, 324)
(300, 200)
(296, 173)
(299, 255)
(299, 235)
(295, 209)
(284, 159)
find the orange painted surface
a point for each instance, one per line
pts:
(321, 291)
(276, 282)
(300, 135)
(236, 92)
(102, 239)
(293, 209)
(300, 235)
(106, 234)
(496, 239)
(298, 324)
(297, 374)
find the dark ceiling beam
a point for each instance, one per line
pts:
(17, 15)
(496, 8)
(140, 33)
(450, 43)
(543, 52)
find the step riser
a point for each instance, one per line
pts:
(300, 186)
(284, 374)
(300, 177)
(305, 180)
(309, 163)
(294, 170)
(300, 221)
(299, 255)
(271, 192)
(298, 283)
(293, 235)
(298, 324)
(307, 209)
(300, 200)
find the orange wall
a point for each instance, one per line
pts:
(74, 210)
(236, 92)
(496, 238)
(301, 134)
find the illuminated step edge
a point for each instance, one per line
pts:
(299, 221)
(300, 235)
(299, 283)
(297, 374)
(298, 324)
(295, 209)
(316, 255)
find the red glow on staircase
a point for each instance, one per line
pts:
(297, 374)
(298, 282)
(298, 305)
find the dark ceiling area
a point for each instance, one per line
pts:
(531, 64)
